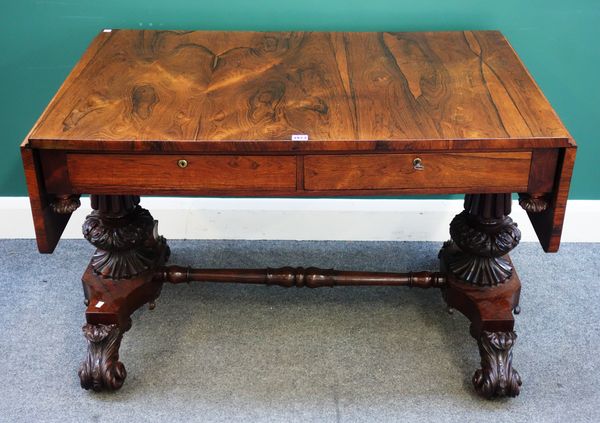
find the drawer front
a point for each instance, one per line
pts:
(147, 173)
(400, 171)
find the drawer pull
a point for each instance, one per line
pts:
(182, 163)
(418, 164)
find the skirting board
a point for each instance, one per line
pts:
(304, 219)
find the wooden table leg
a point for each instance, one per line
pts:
(484, 286)
(118, 280)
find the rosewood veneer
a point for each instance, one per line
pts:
(299, 114)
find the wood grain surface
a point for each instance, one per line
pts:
(548, 225)
(48, 225)
(231, 102)
(161, 173)
(173, 90)
(439, 170)
(298, 114)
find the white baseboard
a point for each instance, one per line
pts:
(304, 219)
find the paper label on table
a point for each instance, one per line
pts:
(107, 30)
(99, 304)
(299, 137)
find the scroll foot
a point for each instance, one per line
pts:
(497, 378)
(102, 370)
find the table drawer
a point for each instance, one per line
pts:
(399, 171)
(147, 173)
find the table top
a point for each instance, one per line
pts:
(137, 90)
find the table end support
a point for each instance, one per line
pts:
(483, 285)
(118, 281)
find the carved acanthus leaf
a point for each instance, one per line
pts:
(497, 378)
(102, 369)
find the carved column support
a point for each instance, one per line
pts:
(102, 369)
(484, 234)
(496, 378)
(490, 310)
(124, 234)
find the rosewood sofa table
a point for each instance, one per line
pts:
(299, 115)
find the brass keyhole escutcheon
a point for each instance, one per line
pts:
(182, 163)
(418, 164)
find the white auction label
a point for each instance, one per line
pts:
(99, 304)
(299, 137)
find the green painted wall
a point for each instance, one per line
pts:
(40, 40)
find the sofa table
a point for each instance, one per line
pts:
(311, 114)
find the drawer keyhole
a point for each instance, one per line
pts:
(418, 164)
(182, 163)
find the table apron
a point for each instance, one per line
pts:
(295, 175)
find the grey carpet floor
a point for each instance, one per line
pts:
(228, 353)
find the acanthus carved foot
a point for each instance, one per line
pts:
(102, 369)
(497, 378)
